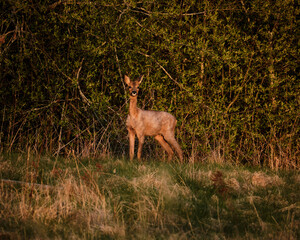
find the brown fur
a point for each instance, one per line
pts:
(143, 123)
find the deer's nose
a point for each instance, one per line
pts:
(133, 92)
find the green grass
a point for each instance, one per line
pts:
(118, 199)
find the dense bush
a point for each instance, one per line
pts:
(226, 69)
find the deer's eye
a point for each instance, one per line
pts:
(129, 87)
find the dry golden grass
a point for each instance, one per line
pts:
(69, 201)
(118, 199)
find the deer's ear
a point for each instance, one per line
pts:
(141, 79)
(127, 80)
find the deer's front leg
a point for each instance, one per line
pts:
(141, 142)
(131, 134)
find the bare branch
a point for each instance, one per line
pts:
(119, 69)
(15, 182)
(174, 80)
(84, 98)
(69, 2)
(242, 86)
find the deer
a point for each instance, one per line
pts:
(143, 123)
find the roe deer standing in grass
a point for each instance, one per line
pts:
(143, 123)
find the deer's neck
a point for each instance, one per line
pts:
(133, 109)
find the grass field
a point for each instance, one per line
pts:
(111, 198)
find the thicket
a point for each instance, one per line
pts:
(226, 69)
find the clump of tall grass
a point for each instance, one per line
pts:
(71, 208)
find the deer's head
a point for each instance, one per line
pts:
(133, 85)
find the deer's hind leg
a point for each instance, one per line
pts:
(172, 141)
(165, 146)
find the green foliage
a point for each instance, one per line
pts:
(227, 70)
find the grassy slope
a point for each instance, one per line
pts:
(117, 199)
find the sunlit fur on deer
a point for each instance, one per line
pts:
(143, 123)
